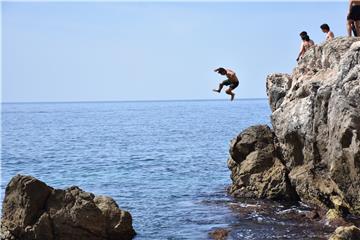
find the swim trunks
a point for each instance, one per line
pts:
(232, 85)
(354, 13)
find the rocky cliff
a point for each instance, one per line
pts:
(34, 211)
(312, 152)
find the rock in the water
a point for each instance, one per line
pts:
(256, 169)
(220, 234)
(33, 210)
(315, 147)
(346, 233)
(316, 119)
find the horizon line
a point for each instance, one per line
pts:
(175, 1)
(119, 101)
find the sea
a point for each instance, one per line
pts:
(163, 161)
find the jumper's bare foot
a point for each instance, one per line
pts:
(232, 97)
(215, 90)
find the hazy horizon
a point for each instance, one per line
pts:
(145, 100)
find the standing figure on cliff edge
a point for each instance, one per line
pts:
(231, 81)
(353, 18)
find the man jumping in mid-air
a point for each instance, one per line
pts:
(232, 81)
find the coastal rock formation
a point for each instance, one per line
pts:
(33, 210)
(346, 233)
(257, 171)
(316, 124)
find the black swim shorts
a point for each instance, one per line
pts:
(231, 84)
(354, 13)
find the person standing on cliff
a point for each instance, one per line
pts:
(353, 18)
(232, 81)
(305, 45)
(326, 29)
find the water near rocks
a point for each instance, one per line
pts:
(165, 162)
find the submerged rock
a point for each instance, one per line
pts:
(33, 210)
(315, 144)
(220, 234)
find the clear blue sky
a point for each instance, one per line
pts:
(151, 51)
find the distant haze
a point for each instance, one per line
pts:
(152, 51)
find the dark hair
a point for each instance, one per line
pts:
(305, 38)
(325, 27)
(303, 33)
(222, 70)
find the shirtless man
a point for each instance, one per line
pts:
(326, 29)
(305, 45)
(353, 18)
(232, 81)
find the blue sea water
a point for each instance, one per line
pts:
(164, 161)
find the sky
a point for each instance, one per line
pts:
(115, 51)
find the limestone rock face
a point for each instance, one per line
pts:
(316, 119)
(256, 170)
(315, 144)
(33, 210)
